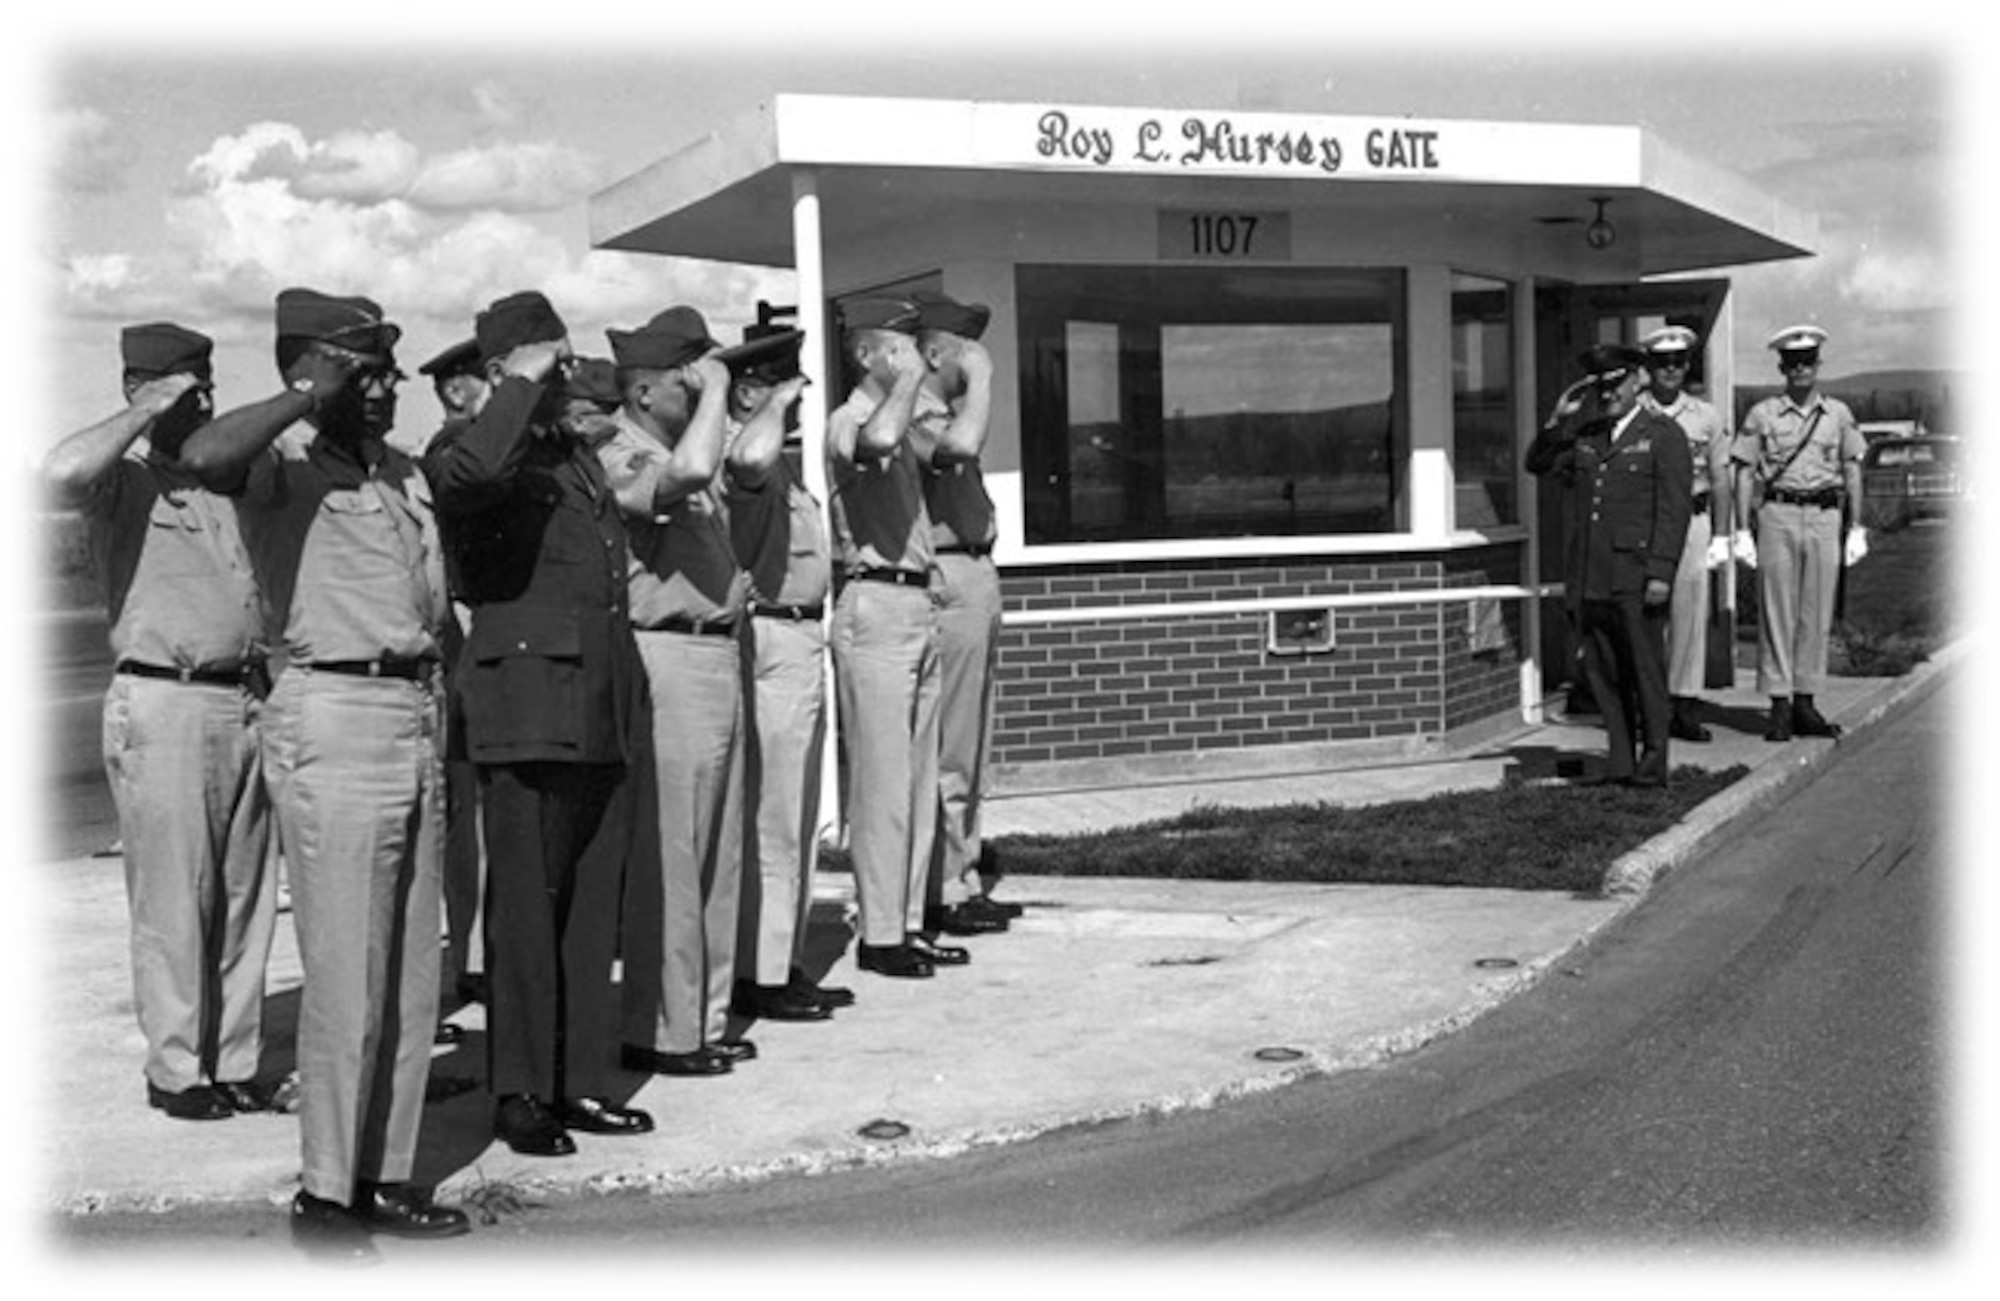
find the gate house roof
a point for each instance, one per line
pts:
(728, 194)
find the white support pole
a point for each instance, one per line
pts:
(809, 262)
(1527, 418)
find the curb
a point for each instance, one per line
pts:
(1640, 869)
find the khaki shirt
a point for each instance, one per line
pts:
(1707, 437)
(780, 535)
(346, 550)
(954, 486)
(1774, 427)
(880, 520)
(683, 564)
(179, 584)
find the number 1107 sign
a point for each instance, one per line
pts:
(1225, 236)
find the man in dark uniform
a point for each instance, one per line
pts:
(181, 738)
(1798, 463)
(554, 718)
(347, 555)
(1630, 479)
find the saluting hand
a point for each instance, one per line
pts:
(158, 396)
(534, 361)
(706, 375)
(1657, 591)
(1571, 400)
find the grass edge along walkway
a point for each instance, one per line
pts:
(1518, 836)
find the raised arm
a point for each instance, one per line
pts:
(74, 465)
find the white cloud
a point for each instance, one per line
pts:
(512, 178)
(1896, 280)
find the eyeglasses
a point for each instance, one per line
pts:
(379, 383)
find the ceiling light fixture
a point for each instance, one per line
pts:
(1600, 232)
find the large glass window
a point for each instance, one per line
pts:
(1482, 402)
(1185, 402)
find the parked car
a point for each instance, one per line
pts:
(1908, 479)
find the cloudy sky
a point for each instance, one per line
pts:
(433, 163)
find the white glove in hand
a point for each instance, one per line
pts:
(1745, 548)
(1857, 545)
(1718, 551)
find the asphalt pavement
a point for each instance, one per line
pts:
(1106, 999)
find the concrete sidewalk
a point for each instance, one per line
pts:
(1109, 998)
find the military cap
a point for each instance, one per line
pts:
(675, 337)
(163, 348)
(354, 323)
(1797, 338)
(461, 358)
(1669, 338)
(876, 313)
(939, 312)
(1608, 363)
(516, 321)
(769, 354)
(594, 379)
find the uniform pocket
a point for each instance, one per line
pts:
(519, 678)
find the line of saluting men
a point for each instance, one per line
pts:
(1660, 495)
(591, 617)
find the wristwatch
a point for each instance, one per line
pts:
(303, 384)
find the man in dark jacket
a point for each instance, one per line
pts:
(1629, 474)
(555, 712)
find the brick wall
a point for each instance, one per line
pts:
(1107, 689)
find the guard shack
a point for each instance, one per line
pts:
(1262, 386)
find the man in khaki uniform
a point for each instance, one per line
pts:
(1798, 464)
(340, 529)
(781, 538)
(1670, 352)
(885, 639)
(949, 432)
(689, 597)
(181, 739)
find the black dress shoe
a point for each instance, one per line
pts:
(898, 960)
(1807, 721)
(782, 1003)
(196, 1102)
(833, 996)
(329, 1231)
(654, 1062)
(957, 919)
(599, 1116)
(401, 1211)
(1779, 726)
(247, 1095)
(1000, 906)
(523, 1123)
(732, 1050)
(942, 955)
(1686, 729)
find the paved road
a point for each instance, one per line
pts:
(1752, 1059)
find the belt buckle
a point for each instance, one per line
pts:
(374, 668)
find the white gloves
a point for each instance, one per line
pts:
(1857, 545)
(1745, 548)
(1718, 551)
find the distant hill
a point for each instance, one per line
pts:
(1926, 395)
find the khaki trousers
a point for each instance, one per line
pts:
(678, 999)
(357, 778)
(885, 678)
(966, 591)
(787, 707)
(1687, 615)
(194, 817)
(1798, 564)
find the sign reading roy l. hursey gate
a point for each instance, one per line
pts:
(1285, 144)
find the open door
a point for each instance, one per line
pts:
(1569, 319)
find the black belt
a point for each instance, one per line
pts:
(968, 549)
(407, 670)
(248, 674)
(1698, 503)
(900, 577)
(698, 627)
(1824, 498)
(815, 611)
